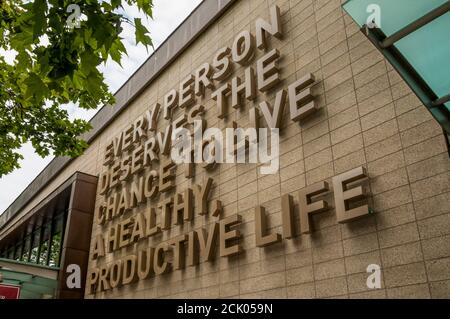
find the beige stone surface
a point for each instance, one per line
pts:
(368, 117)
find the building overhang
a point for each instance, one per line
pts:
(34, 281)
(76, 196)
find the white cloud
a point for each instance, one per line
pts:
(8, 55)
(167, 15)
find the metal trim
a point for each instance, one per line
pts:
(447, 142)
(442, 100)
(415, 25)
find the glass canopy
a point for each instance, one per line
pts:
(414, 36)
(31, 286)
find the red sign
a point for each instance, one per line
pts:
(9, 292)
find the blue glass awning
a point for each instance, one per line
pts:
(414, 36)
(31, 286)
(35, 281)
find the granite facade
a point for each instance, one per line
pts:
(368, 117)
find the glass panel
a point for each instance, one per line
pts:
(395, 14)
(26, 248)
(55, 248)
(42, 245)
(35, 246)
(18, 251)
(11, 253)
(428, 50)
(43, 251)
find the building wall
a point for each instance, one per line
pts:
(368, 117)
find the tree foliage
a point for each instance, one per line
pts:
(56, 64)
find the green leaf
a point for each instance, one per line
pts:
(146, 6)
(22, 39)
(40, 19)
(116, 3)
(45, 76)
(35, 86)
(89, 62)
(117, 50)
(141, 33)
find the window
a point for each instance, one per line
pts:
(55, 250)
(44, 248)
(26, 248)
(55, 242)
(18, 251)
(11, 252)
(35, 245)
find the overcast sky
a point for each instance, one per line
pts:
(167, 15)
